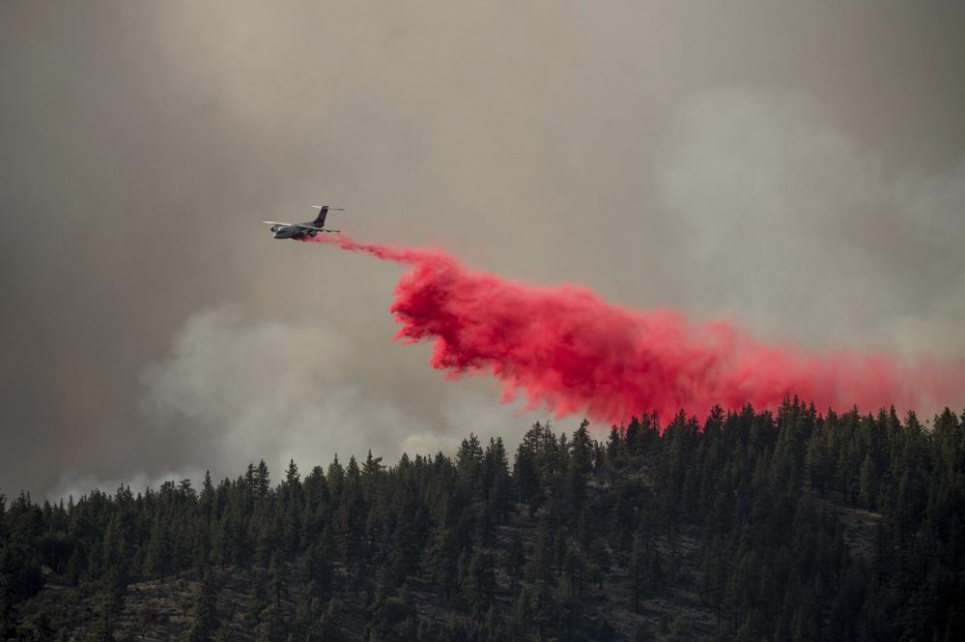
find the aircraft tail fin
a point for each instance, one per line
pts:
(320, 219)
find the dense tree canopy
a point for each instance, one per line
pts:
(790, 525)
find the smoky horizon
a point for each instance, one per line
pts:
(797, 169)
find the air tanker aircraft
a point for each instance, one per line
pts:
(299, 230)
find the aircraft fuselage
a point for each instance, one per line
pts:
(301, 230)
(291, 231)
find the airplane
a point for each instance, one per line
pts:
(301, 230)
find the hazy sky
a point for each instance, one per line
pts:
(795, 166)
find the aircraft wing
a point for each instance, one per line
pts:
(275, 223)
(317, 229)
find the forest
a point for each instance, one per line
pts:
(792, 524)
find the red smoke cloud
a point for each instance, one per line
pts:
(566, 348)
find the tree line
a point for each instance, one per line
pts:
(783, 525)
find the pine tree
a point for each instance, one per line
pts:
(261, 483)
(293, 502)
(204, 622)
(329, 627)
(868, 484)
(443, 562)
(516, 559)
(478, 582)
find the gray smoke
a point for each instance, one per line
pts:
(796, 228)
(303, 390)
(794, 166)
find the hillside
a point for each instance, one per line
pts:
(791, 525)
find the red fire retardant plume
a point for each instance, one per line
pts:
(566, 348)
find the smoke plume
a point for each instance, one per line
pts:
(569, 350)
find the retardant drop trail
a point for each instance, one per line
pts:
(566, 348)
